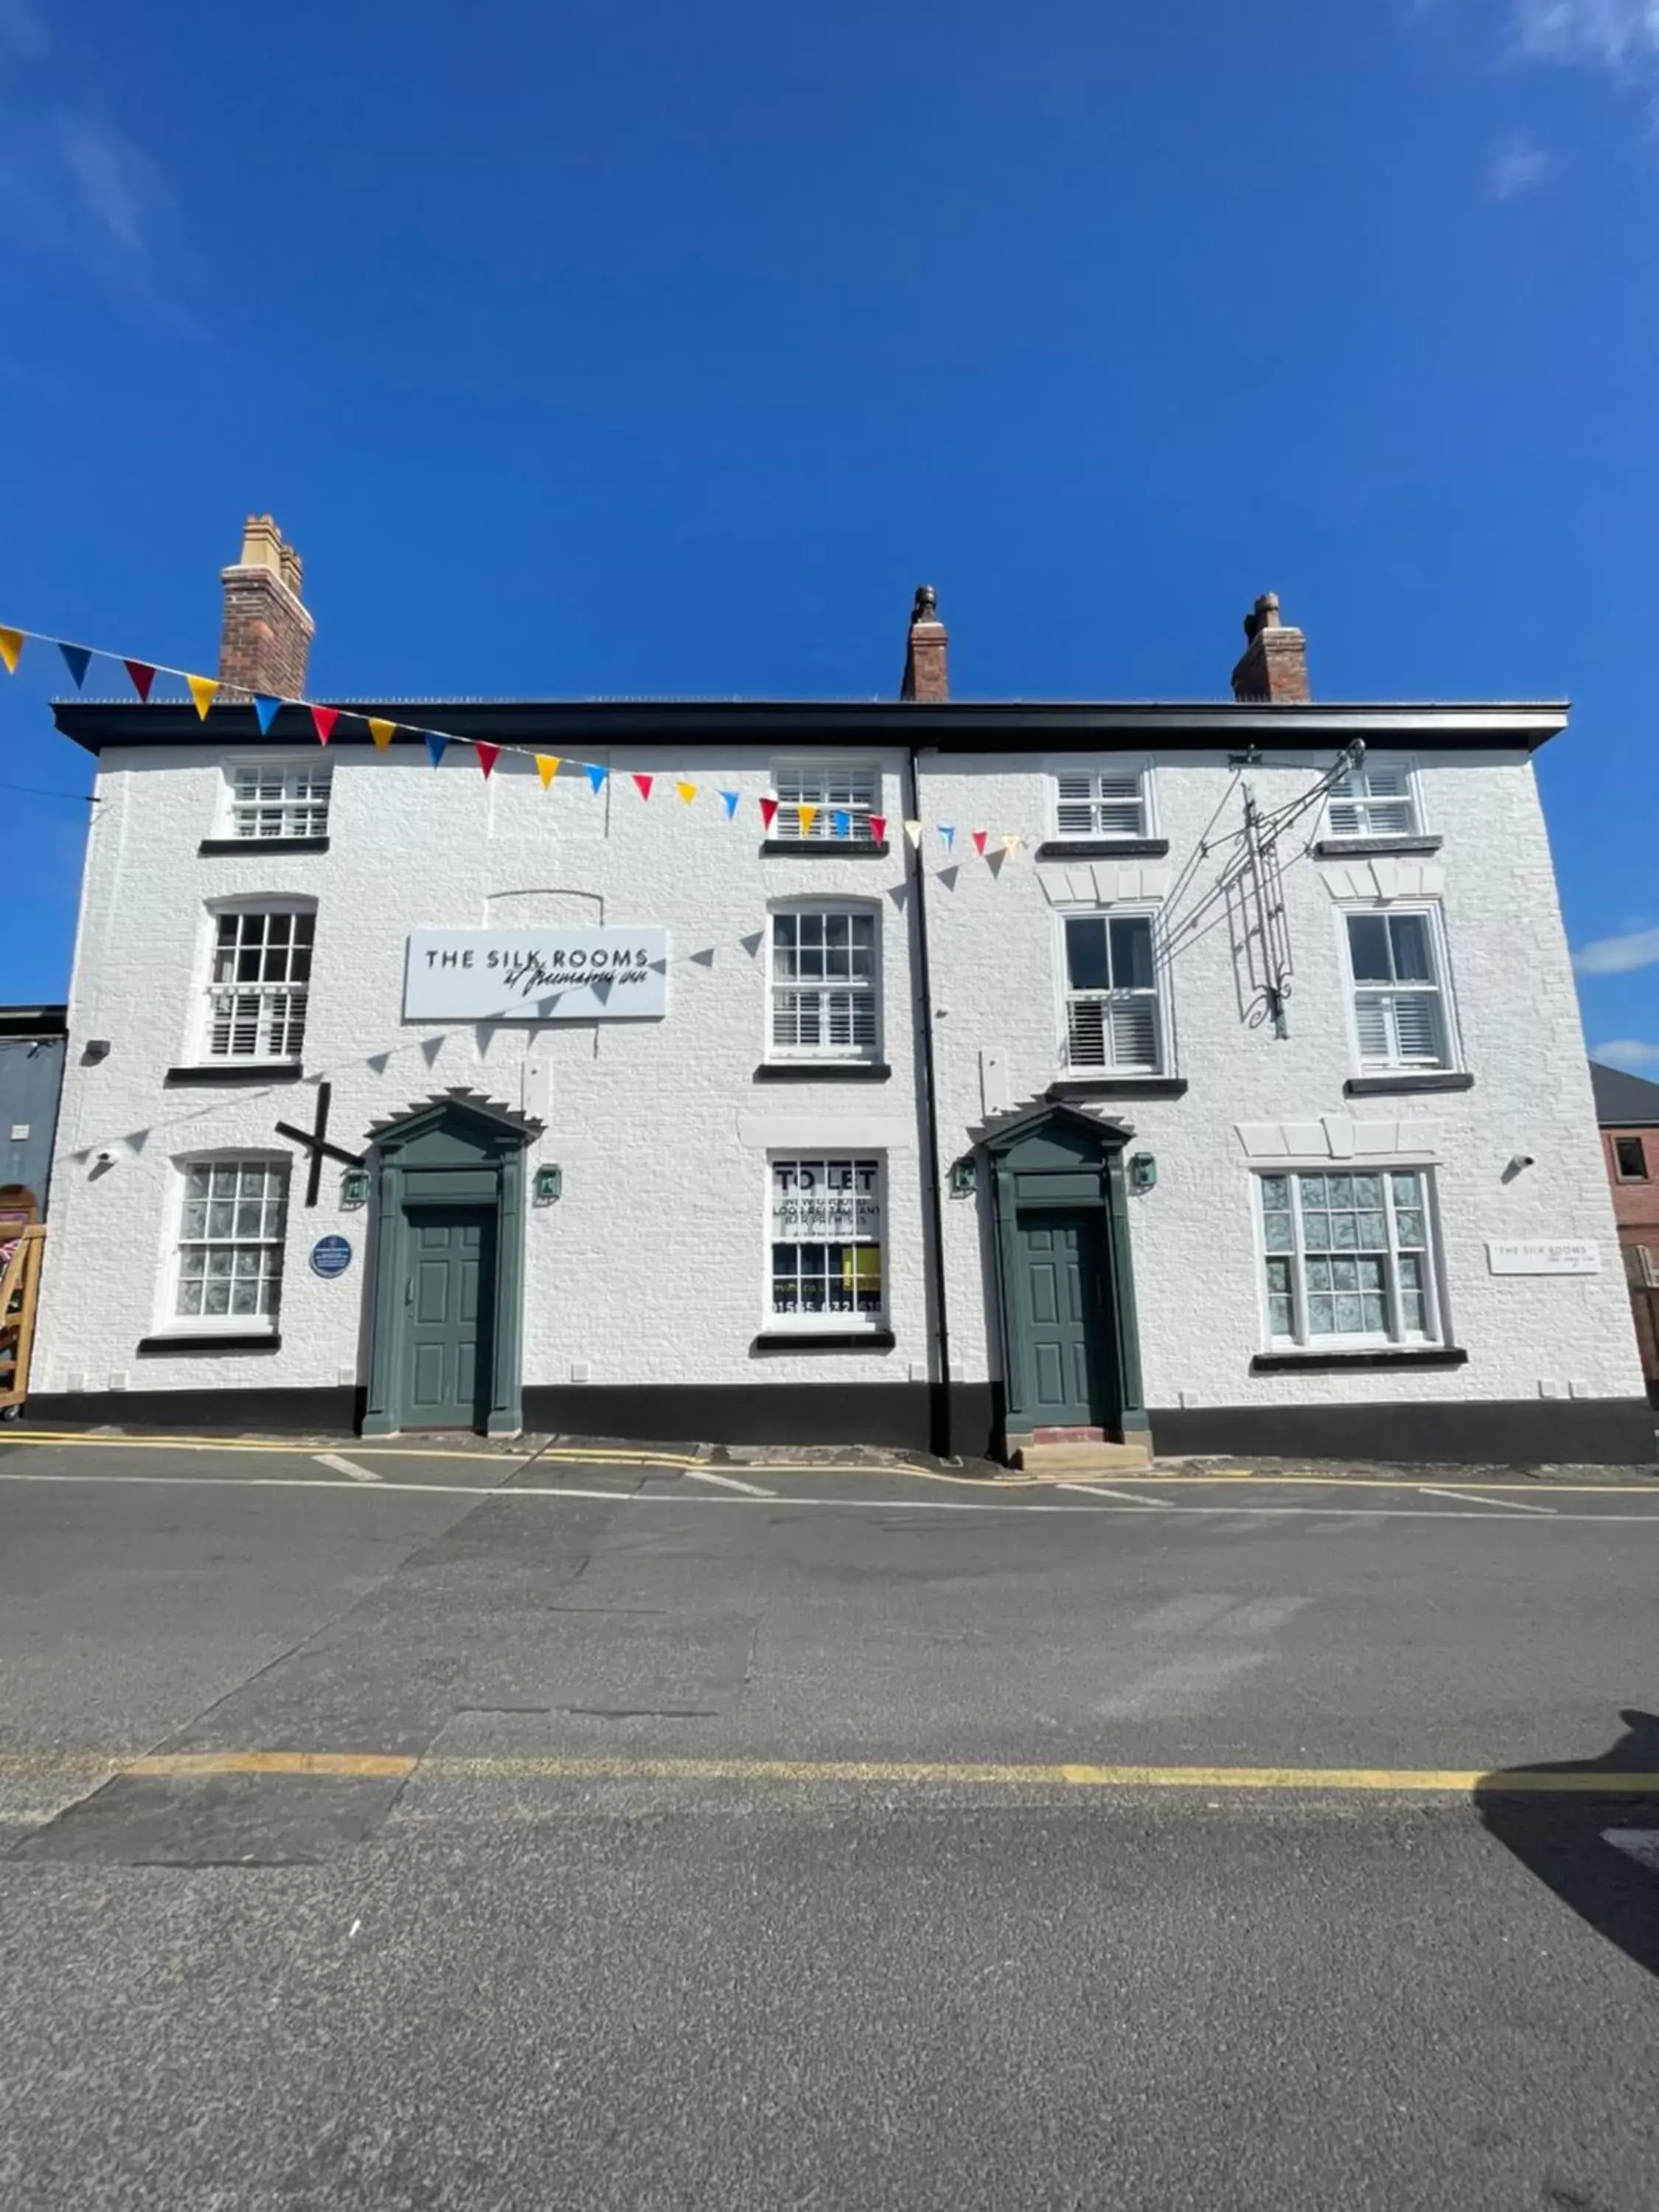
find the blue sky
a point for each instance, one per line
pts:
(586, 349)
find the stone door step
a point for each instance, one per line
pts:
(1092, 1457)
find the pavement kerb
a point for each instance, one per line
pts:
(1155, 1478)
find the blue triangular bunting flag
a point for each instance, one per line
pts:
(729, 801)
(77, 657)
(842, 823)
(435, 745)
(265, 707)
(596, 777)
(949, 835)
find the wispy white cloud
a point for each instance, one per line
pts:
(1628, 1052)
(1615, 34)
(118, 189)
(1618, 955)
(1515, 164)
(75, 188)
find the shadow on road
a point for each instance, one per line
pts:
(1563, 1837)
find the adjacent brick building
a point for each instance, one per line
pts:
(1628, 1110)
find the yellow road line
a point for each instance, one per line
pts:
(355, 1765)
(816, 1468)
(381, 1766)
(303, 1447)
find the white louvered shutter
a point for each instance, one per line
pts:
(1099, 803)
(1134, 1031)
(1417, 1026)
(1374, 801)
(1375, 1041)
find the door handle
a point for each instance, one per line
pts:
(408, 1291)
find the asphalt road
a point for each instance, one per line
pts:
(432, 1833)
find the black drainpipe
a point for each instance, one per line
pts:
(938, 1387)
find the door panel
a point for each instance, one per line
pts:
(1060, 1293)
(449, 1297)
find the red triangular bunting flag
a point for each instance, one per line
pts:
(642, 785)
(324, 718)
(979, 842)
(488, 756)
(142, 677)
(879, 828)
(769, 807)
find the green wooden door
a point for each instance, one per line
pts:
(449, 1316)
(1059, 1286)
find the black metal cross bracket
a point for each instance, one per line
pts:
(315, 1141)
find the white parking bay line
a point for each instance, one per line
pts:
(1640, 1844)
(1464, 1497)
(344, 1467)
(1123, 1497)
(726, 1481)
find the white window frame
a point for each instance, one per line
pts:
(253, 903)
(1413, 799)
(1397, 1337)
(802, 1324)
(290, 767)
(855, 1055)
(1123, 911)
(1451, 1052)
(1112, 764)
(787, 773)
(169, 1320)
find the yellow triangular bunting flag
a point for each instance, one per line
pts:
(11, 649)
(203, 690)
(808, 815)
(1010, 842)
(382, 732)
(547, 767)
(688, 792)
(913, 831)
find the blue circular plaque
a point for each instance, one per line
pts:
(330, 1256)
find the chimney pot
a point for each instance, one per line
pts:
(266, 639)
(1273, 665)
(926, 674)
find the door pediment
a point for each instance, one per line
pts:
(453, 1128)
(1055, 1137)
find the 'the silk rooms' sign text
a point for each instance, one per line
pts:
(537, 975)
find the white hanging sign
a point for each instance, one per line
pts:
(1561, 1256)
(537, 975)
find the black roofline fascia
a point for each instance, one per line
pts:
(34, 1021)
(957, 726)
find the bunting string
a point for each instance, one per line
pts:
(205, 693)
(483, 1030)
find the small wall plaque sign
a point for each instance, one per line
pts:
(1545, 1256)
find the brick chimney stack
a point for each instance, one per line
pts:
(1274, 662)
(267, 633)
(926, 678)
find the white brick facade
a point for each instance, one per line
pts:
(649, 1273)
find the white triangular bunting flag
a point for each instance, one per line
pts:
(913, 831)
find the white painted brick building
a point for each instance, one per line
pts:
(1115, 1196)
